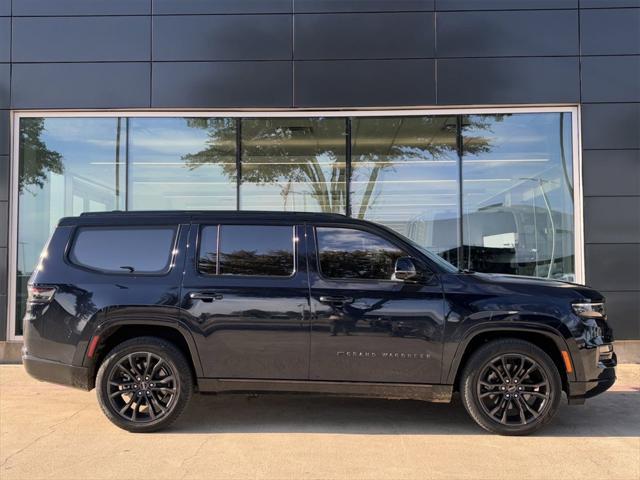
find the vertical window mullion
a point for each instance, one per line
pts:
(348, 167)
(126, 169)
(238, 160)
(460, 148)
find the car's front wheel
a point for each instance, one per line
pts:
(511, 387)
(144, 384)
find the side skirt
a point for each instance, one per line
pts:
(407, 391)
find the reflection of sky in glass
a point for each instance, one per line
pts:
(88, 183)
(405, 175)
(517, 192)
(345, 239)
(163, 176)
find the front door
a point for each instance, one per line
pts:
(246, 293)
(367, 326)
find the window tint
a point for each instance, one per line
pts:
(124, 249)
(247, 250)
(207, 261)
(348, 253)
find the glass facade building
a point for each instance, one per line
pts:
(488, 191)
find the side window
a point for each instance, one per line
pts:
(208, 257)
(257, 250)
(347, 253)
(124, 249)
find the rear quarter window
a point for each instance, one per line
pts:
(127, 250)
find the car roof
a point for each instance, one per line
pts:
(163, 216)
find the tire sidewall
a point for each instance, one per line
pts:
(176, 361)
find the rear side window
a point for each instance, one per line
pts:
(124, 249)
(346, 253)
(257, 250)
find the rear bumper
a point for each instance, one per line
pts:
(55, 372)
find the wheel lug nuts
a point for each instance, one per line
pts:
(152, 385)
(515, 381)
(135, 386)
(146, 378)
(507, 380)
(504, 388)
(516, 395)
(508, 395)
(148, 392)
(519, 388)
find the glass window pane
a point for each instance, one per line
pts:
(349, 253)
(66, 166)
(182, 164)
(294, 164)
(208, 257)
(256, 250)
(124, 249)
(518, 194)
(405, 176)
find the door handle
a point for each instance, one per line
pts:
(336, 300)
(205, 296)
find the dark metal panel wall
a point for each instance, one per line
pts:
(352, 53)
(81, 39)
(222, 37)
(196, 7)
(509, 80)
(610, 78)
(80, 7)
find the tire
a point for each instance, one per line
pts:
(511, 387)
(152, 370)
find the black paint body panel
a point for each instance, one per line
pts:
(390, 338)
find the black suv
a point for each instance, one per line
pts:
(149, 306)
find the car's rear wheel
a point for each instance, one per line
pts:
(511, 387)
(144, 384)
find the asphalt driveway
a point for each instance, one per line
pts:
(47, 431)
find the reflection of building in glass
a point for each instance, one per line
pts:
(489, 192)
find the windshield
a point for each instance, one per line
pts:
(437, 259)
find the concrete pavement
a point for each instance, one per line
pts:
(53, 432)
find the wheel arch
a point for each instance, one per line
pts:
(115, 332)
(552, 342)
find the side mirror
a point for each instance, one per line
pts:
(405, 269)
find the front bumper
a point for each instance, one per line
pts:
(61, 373)
(599, 374)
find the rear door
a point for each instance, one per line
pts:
(246, 292)
(367, 326)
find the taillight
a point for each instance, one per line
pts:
(40, 294)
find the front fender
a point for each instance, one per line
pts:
(505, 323)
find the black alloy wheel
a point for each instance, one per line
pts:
(144, 384)
(511, 387)
(142, 387)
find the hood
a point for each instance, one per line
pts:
(517, 281)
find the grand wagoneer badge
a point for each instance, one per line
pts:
(386, 355)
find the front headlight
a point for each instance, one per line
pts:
(589, 309)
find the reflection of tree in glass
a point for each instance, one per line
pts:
(249, 262)
(36, 160)
(207, 263)
(371, 264)
(319, 167)
(431, 137)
